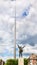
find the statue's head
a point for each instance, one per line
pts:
(20, 48)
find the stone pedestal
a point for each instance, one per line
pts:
(21, 61)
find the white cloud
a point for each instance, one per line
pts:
(30, 49)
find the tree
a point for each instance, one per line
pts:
(11, 62)
(25, 61)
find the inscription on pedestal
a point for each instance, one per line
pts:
(20, 61)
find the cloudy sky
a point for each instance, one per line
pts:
(26, 27)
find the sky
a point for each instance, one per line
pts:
(26, 27)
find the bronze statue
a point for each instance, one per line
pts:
(20, 50)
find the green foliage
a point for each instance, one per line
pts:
(25, 61)
(15, 62)
(11, 62)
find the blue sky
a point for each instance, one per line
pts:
(26, 27)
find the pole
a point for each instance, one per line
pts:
(15, 34)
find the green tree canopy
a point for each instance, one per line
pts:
(11, 62)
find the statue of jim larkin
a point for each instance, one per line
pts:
(20, 50)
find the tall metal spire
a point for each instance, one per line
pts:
(15, 33)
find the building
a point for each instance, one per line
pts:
(32, 60)
(2, 62)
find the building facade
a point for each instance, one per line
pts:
(32, 60)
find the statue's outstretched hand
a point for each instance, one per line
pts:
(23, 46)
(18, 46)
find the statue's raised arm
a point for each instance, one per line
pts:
(18, 46)
(23, 46)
